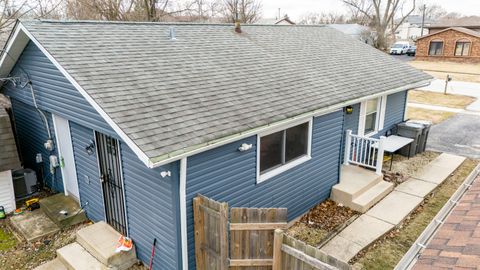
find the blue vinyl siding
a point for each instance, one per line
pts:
(152, 207)
(351, 120)
(396, 105)
(32, 134)
(54, 93)
(225, 174)
(88, 177)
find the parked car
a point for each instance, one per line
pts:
(399, 47)
(411, 51)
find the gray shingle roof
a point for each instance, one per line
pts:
(211, 82)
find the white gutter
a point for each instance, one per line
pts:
(190, 151)
(410, 258)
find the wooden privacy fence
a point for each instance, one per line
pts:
(252, 240)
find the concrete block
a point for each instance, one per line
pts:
(354, 181)
(365, 230)
(55, 264)
(34, 225)
(99, 240)
(53, 205)
(75, 257)
(395, 207)
(416, 187)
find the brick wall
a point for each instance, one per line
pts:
(449, 38)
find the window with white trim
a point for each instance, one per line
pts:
(282, 150)
(372, 116)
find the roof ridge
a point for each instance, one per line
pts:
(156, 23)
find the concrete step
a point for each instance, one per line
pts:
(370, 197)
(354, 181)
(55, 264)
(75, 257)
(54, 205)
(99, 240)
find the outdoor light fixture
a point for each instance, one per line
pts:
(245, 147)
(349, 109)
(90, 148)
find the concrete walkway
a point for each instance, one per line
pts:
(392, 210)
(459, 88)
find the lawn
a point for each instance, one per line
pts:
(423, 114)
(7, 239)
(387, 252)
(439, 99)
(459, 71)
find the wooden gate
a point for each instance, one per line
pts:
(211, 243)
(252, 236)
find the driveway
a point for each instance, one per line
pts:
(403, 57)
(457, 135)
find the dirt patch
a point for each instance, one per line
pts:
(431, 115)
(386, 252)
(403, 167)
(459, 71)
(320, 222)
(439, 99)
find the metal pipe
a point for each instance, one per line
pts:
(42, 114)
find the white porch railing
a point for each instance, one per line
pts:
(364, 151)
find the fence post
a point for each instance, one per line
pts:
(277, 249)
(348, 144)
(380, 155)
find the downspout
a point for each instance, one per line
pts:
(183, 212)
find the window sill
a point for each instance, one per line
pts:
(263, 177)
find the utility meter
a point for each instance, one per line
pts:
(53, 163)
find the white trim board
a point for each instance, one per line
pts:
(380, 119)
(183, 212)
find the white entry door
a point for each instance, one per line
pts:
(65, 152)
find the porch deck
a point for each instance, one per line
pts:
(359, 188)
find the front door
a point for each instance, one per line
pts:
(65, 153)
(112, 183)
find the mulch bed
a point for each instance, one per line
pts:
(321, 222)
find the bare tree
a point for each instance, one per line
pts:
(246, 11)
(382, 13)
(357, 13)
(322, 18)
(432, 11)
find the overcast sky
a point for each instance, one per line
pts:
(296, 8)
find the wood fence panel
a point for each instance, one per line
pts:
(251, 236)
(210, 225)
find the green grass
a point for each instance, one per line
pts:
(387, 252)
(7, 239)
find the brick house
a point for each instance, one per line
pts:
(458, 44)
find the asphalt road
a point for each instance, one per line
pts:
(403, 57)
(457, 135)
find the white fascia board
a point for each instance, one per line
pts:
(303, 117)
(140, 154)
(17, 41)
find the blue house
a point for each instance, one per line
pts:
(134, 119)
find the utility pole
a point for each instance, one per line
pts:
(423, 19)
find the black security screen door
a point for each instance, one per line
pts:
(111, 178)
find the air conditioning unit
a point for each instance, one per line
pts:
(24, 183)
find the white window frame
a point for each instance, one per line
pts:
(379, 121)
(289, 165)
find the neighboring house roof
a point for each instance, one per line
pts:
(415, 19)
(171, 97)
(8, 155)
(283, 21)
(459, 29)
(467, 22)
(349, 29)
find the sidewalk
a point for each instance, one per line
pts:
(392, 209)
(459, 88)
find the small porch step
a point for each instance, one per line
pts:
(54, 205)
(359, 188)
(370, 197)
(55, 264)
(99, 240)
(75, 257)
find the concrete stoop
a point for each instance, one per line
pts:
(63, 210)
(94, 249)
(359, 188)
